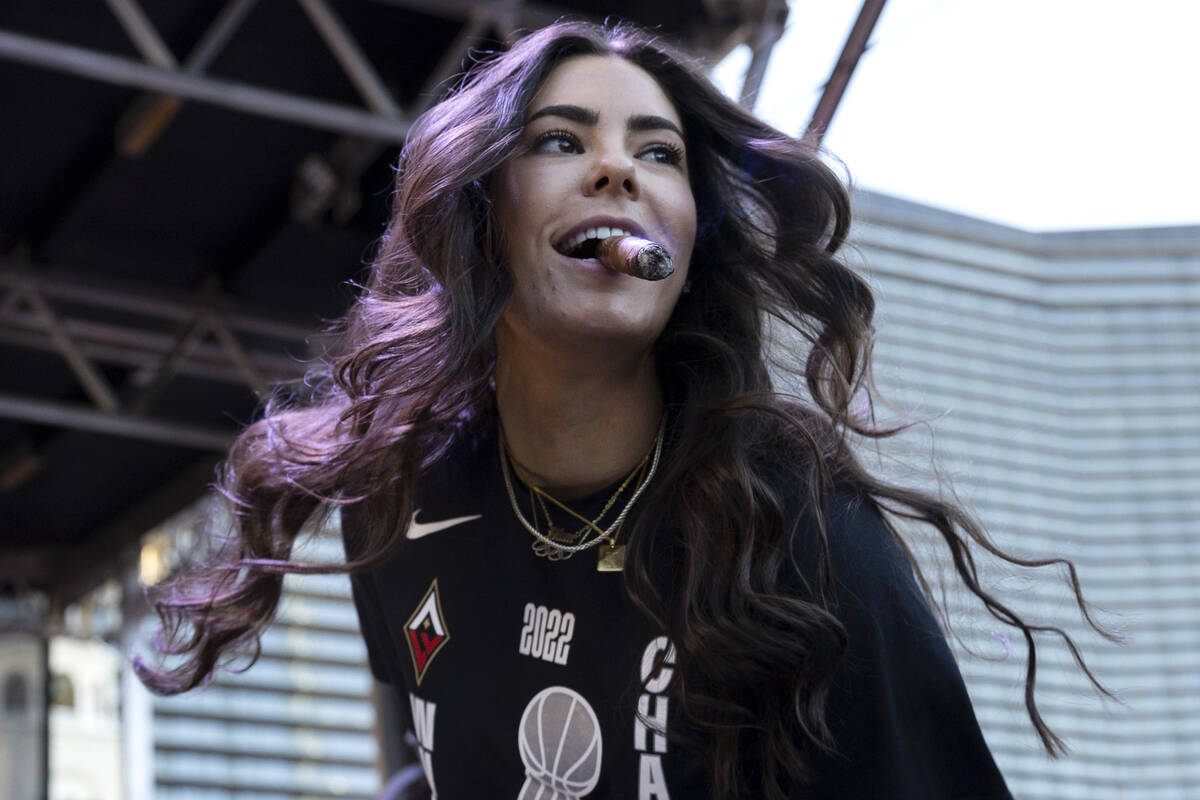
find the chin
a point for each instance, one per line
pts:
(619, 329)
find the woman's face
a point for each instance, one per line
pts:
(603, 147)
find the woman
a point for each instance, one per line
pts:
(592, 550)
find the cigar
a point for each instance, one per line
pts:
(634, 256)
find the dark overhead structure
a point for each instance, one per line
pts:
(187, 191)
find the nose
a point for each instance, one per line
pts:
(613, 173)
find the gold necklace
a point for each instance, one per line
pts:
(556, 533)
(608, 559)
(563, 551)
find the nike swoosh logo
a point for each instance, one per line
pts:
(418, 529)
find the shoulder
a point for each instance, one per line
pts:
(867, 561)
(874, 590)
(900, 712)
(871, 567)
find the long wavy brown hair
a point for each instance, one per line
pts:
(416, 365)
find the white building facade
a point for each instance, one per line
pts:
(85, 740)
(1060, 375)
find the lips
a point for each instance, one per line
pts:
(597, 228)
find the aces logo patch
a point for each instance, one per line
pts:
(426, 631)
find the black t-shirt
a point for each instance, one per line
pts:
(520, 675)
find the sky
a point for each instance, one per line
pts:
(1039, 114)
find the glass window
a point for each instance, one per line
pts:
(16, 694)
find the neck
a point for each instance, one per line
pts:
(576, 422)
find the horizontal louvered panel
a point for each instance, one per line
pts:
(909, 294)
(332, 586)
(292, 641)
(278, 775)
(330, 614)
(1037, 292)
(270, 706)
(907, 307)
(166, 791)
(1070, 368)
(265, 740)
(1087, 270)
(965, 354)
(300, 676)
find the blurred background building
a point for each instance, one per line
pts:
(192, 185)
(85, 723)
(1059, 373)
(24, 702)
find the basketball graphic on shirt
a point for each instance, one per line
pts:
(560, 745)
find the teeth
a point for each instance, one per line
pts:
(602, 233)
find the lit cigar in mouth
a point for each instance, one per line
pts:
(635, 256)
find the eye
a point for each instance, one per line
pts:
(664, 153)
(557, 141)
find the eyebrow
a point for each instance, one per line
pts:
(587, 116)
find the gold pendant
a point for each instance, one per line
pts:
(611, 559)
(557, 534)
(551, 552)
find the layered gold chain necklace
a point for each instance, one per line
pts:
(557, 544)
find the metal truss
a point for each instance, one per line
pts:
(205, 339)
(27, 315)
(757, 23)
(856, 44)
(153, 335)
(762, 36)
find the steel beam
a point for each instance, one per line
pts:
(766, 34)
(144, 37)
(153, 381)
(93, 65)
(41, 411)
(450, 64)
(238, 356)
(135, 299)
(343, 163)
(839, 79)
(148, 115)
(145, 350)
(531, 15)
(93, 382)
(139, 341)
(217, 36)
(347, 52)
